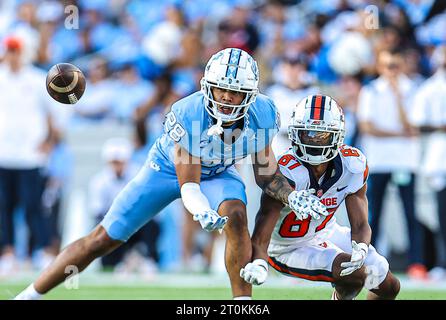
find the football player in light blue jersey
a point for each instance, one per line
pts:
(204, 135)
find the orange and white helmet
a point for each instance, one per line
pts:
(317, 129)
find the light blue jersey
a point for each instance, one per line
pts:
(188, 123)
(156, 185)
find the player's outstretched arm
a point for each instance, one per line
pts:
(256, 272)
(268, 176)
(271, 180)
(266, 219)
(188, 169)
(361, 233)
(276, 190)
(357, 211)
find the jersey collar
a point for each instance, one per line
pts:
(332, 175)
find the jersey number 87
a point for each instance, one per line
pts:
(290, 222)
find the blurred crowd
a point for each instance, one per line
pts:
(384, 61)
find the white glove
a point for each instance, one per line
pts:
(359, 253)
(304, 204)
(210, 220)
(255, 272)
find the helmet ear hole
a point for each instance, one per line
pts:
(297, 151)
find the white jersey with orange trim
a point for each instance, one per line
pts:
(347, 173)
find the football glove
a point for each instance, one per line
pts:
(359, 254)
(210, 220)
(305, 204)
(255, 272)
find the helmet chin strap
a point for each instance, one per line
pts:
(216, 129)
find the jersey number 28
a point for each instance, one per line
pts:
(173, 128)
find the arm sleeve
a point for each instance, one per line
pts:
(357, 165)
(269, 124)
(193, 199)
(284, 162)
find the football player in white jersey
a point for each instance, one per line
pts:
(311, 246)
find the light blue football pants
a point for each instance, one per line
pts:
(156, 186)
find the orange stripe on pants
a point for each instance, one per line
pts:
(300, 275)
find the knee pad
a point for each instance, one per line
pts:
(376, 273)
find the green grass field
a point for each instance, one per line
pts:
(200, 287)
(163, 293)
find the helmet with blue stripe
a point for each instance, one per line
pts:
(230, 69)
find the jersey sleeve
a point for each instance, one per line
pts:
(356, 163)
(183, 126)
(268, 122)
(286, 163)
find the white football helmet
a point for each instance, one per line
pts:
(317, 129)
(230, 69)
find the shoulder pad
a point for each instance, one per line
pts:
(353, 159)
(287, 162)
(264, 112)
(180, 122)
(189, 108)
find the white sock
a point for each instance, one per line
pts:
(29, 293)
(243, 298)
(334, 296)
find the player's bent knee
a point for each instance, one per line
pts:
(390, 288)
(356, 279)
(99, 242)
(236, 212)
(394, 289)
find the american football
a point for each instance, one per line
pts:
(65, 83)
